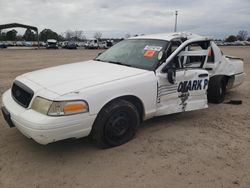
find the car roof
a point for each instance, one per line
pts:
(171, 36)
(51, 40)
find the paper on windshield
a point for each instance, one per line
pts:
(154, 48)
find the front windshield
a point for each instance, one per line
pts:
(140, 53)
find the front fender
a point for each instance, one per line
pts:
(143, 86)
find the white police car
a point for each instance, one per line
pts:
(109, 96)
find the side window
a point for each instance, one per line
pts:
(194, 55)
(210, 58)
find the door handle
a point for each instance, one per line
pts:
(209, 69)
(203, 75)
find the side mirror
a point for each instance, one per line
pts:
(171, 75)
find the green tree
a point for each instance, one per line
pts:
(61, 38)
(11, 35)
(29, 35)
(231, 38)
(2, 36)
(47, 34)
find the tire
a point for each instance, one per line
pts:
(217, 89)
(116, 124)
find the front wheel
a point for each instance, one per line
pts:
(217, 89)
(116, 124)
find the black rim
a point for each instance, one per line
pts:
(117, 127)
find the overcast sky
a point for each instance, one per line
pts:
(115, 18)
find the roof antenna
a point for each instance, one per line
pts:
(175, 27)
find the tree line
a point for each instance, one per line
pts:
(78, 35)
(44, 35)
(241, 36)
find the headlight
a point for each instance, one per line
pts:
(59, 108)
(41, 105)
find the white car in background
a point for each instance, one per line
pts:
(51, 44)
(92, 44)
(107, 98)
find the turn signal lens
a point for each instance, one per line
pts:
(74, 108)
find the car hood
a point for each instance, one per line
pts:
(74, 77)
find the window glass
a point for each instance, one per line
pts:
(210, 58)
(140, 53)
(193, 56)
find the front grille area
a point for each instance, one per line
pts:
(21, 94)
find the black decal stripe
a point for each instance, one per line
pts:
(158, 96)
(161, 95)
(169, 85)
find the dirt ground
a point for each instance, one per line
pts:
(206, 148)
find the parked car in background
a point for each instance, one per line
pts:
(3, 45)
(19, 43)
(81, 44)
(52, 44)
(70, 45)
(92, 44)
(103, 45)
(42, 44)
(109, 43)
(28, 44)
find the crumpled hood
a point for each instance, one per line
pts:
(73, 77)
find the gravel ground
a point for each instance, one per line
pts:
(205, 148)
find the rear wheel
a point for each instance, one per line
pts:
(217, 89)
(116, 124)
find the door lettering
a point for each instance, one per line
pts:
(192, 85)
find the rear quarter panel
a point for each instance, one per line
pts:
(229, 66)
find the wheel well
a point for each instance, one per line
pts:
(134, 100)
(228, 79)
(225, 76)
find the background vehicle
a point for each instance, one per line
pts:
(109, 43)
(92, 44)
(51, 44)
(103, 45)
(70, 45)
(3, 45)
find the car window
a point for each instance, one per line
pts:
(210, 58)
(193, 55)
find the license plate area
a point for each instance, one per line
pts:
(7, 117)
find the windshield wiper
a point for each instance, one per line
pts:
(114, 62)
(119, 63)
(97, 60)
